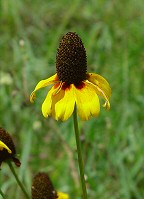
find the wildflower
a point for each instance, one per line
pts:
(7, 148)
(42, 187)
(72, 84)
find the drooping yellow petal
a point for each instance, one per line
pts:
(63, 103)
(43, 83)
(101, 82)
(102, 86)
(3, 146)
(47, 104)
(87, 101)
(62, 195)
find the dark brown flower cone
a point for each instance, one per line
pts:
(71, 61)
(42, 187)
(4, 154)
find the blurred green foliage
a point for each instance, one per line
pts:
(113, 144)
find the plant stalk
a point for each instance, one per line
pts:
(79, 151)
(2, 194)
(18, 181)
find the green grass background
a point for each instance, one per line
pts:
(113, 144)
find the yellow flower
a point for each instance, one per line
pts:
(42, 187)
(7, 148)
(72, 84)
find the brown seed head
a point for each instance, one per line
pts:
(71, 61)
(42, 187)
(4, 154)
(6, 139)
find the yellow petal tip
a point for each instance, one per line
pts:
(9, 151)
(45, 115)
(107, 105)
(62, 195)
(4, 146)
(32, 97)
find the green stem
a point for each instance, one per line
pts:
(2, 194)
(79, 151)
(17, 179)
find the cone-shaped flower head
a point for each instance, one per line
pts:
(71, 62)
(7, 148)
(72, 84)
(42, 188)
